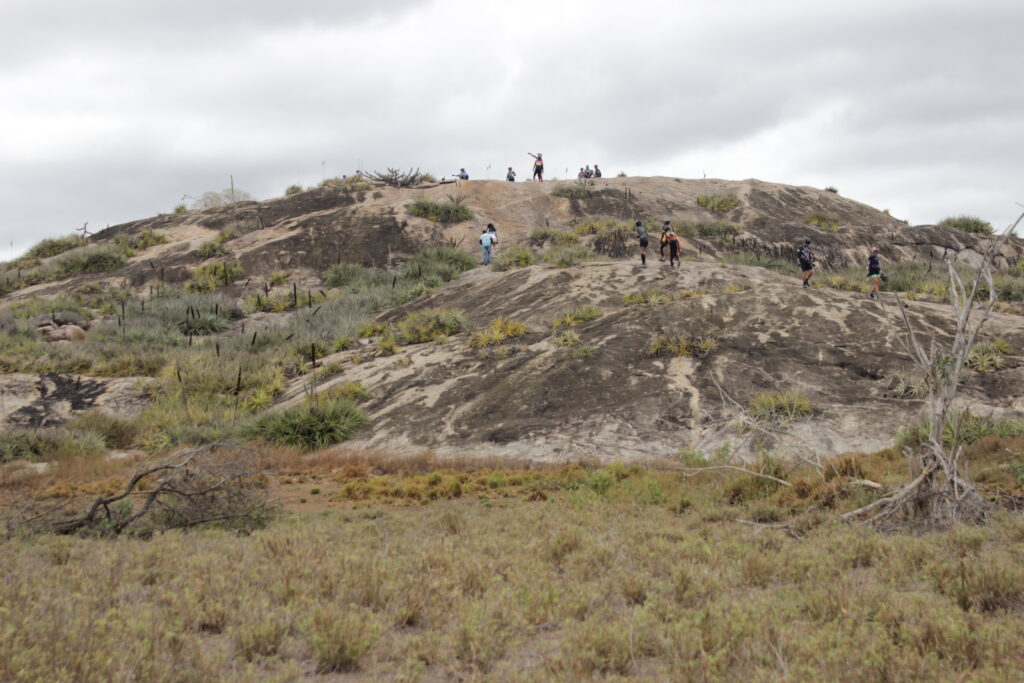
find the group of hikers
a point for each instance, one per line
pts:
(538, 171)
(670, 240)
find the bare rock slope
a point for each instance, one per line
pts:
(538, 399)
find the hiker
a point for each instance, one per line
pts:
(538, 166)
(597, 171)
(665, 230)
(461, 175)
(588, 173)
(806, 260)
(874, 272)
(511, 175)
(488, 240)
(493, 233)
(582, 174)
(673, 248)
(641, 234)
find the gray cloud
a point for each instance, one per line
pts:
(116, 109)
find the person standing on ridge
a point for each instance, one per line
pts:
(641, 234)
(488, 240)
(665, 229)
(511, 175)
(538, 166)
(874, 272)
(587, 173)
(597, 171)
(461, 175)
(806, 260)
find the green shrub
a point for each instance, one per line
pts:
(211, 249)
(46, 444)
(453, 210)
(613, 239)
(823, 221)
(292, 189)
(58, 245)
(516, 256)
(354, 276)
(563, 257)
(987, 357)
(211, 276)
(574, 191)
(499, 331)
(115, 432)
(967, 224)
(832, 189)
(542, 235)
(719, 203)
(716, 229)
(142, 240)
(352, 184)
(425, 326)
(311, 425)
(352, 391)
(437, 265)
(779, 408)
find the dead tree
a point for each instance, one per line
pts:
(396, 178)
(940, 492)
(213, 483)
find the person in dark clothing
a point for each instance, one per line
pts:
(511, 175)
(597, 171)
(538, 166)
(673, 248)
(641, 234)
(806, 260)
(874, 272)
(665, 229)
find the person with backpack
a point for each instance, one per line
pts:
(487, 240)
(461, 175)
(665, 230)
(641, 234)
(538, 166)
(805, 258)
(511, 175)
(874, 272)
(673, 248)
(494, 233)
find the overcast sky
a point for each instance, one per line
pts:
(113, 110)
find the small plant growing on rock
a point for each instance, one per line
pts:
(567, 338)
(574, 191)
(779, 408)
(453, 210)
(211, 276)
(565, 256)
(211, 249)
(292, 189)
(823, 221)
(497, 332)
(577, 316)
(423, 326)
(719, 203)
(987, 356)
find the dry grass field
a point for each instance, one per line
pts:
(392, 569)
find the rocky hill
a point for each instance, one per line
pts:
(667, 359)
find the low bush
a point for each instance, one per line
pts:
(563, 257)
(573, 191)
(453, 210)
(832, 189)
(680, 345)
(47, 444)
(93, 259)
(516, 256)
(292, 189)
(211, 276)
(719, 203)
(58, 245)
(967, 224)
(779, 408)
(211, 249)
(142, 240)
(425, 326)
(311, 425)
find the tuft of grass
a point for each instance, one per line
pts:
(425, 326)
(823, 221)
(93, 259)
(567, 338)
(679, 345)
(572, 191)
(499, 331)
(719, 203)
(351, 391)
(988, 356)
(292, 189)
(516, 256)
(832, 189)
(452, 210)
(967, 224)
(211, 249)
(339, 636)
(779, 408)
(311, 425)
(577, 316)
